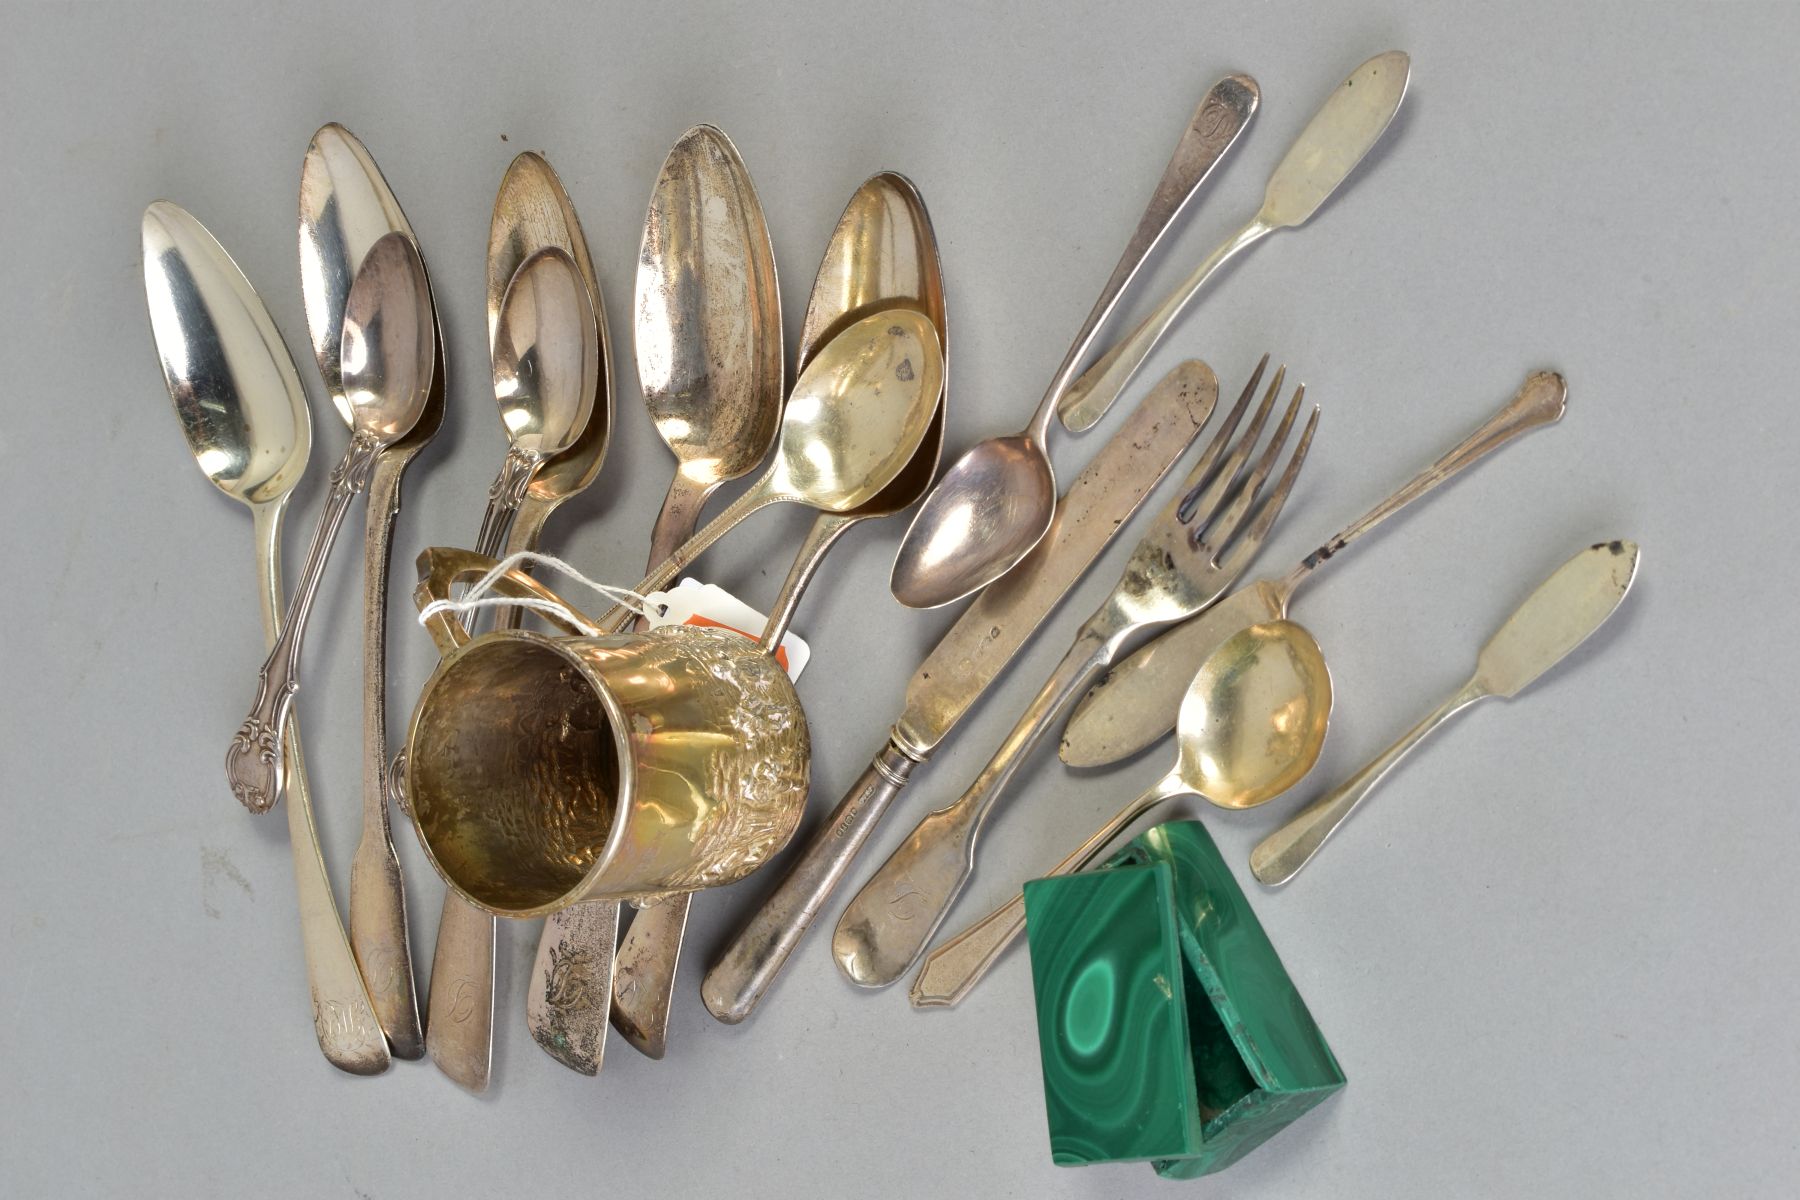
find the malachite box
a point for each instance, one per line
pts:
(1168, 1027)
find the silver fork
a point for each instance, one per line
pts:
(1196, 550)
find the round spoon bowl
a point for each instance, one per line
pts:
(1000, 496)
(236, 393)
(390, 342)
(546, 354)
(1255, 717)
(859, 411)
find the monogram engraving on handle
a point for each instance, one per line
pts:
(574, 978)
(465, 998)
(904, 902)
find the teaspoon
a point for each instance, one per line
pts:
(996, 502)
(389, 352)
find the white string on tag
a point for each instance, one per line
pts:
(476, 597)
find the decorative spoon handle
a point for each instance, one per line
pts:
(459, 1033)
(1279, 857)
(504, 497)
(953, 969)
(1210, 132)
(1540, 400)
(253, 764)
(888, 924)
(343, 1018)
(377, 897)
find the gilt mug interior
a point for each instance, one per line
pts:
(517, 770)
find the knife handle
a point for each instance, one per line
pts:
(755, 957)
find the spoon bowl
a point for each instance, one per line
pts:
(1254, 719)
(546, 354)
(390, 341)
(236, 392)
(999, 496)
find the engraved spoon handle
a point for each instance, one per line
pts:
(253, 764)
(343, 1018)
(1279, 857)
(737, 982)
(378, 926)
(955, 966)
(1215, 125)
(459, 1028)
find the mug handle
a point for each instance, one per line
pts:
(442, 567)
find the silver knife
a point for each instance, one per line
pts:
(1555, 619)
(961, 667)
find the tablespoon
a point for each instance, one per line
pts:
(708, 351)
(853, 421)
(1544, 630)
(389, 353)
(241, 408)
(345, 207)
(996, 502)
(1252, 725)
(546, 361)
(1135, 704)
(882, 254)
(1328, 149)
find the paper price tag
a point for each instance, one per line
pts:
(694, 603)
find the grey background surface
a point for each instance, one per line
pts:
(1556, 956)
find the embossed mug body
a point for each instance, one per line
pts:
(542, 771)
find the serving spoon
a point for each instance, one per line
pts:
(546, 362)
(1252, 725)
(242, 410)
(389, 352)
(708, 352)
(854, 420)
(882, 255)
(996, 502)
(345, 207)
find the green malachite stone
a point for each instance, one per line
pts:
(1169, 1029)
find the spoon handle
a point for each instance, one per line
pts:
(504, 497)
(1086, 400)
(459, 1030)
(343, 1018)
(760, 495)
(953, 969)
(1540, 400)
(253, 764)
(378, 926)
(888, 924)
(650, 954)
(1212, 130)
(1279, 857)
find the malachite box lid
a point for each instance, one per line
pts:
(1168, 1027)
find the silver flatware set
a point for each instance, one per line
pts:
(601, 770)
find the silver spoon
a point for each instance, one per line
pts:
(1327, 150)
(241, 408)
(996, 502)
(345, 207)
(389, 352)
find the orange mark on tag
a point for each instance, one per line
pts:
(781, 655)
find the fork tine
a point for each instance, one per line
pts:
(1220, 529)
(1207, 466)
(1206, 507)
(1270, 507)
